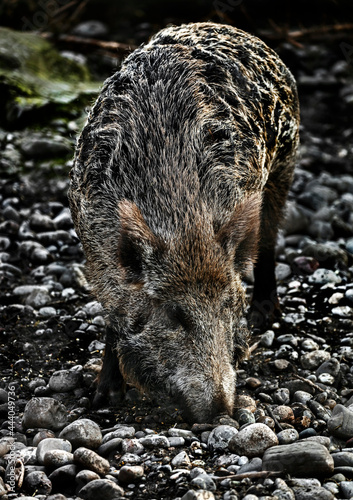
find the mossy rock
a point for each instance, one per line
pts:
(34, 75)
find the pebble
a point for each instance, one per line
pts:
(111, 446)
(182, 459)
(288, 436)
(50, 444)
(39, 146)
(122, 431)
(317, 493)
(267, 338)
(343, 311)
(343, 458)
(282, 271)
(58, 458)
(84, 476)
(341, 422)
(45, 413)
(83, 432)
(313, 359)
(134, 445)
(101, 489)
(299, 459)
(198, 495)
(301, 397)
(203, 482)
(65, 380)
(347, 489)
(91, 460)
(64, 475)
(184, 433)
(253, 440)
(254, 465)
(219, 438)
(332, 367)
(155, 441)
(323, 276)
(38, 483)
(130, 473)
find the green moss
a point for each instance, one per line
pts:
(35, 74)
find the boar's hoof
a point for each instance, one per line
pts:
(107, 398)
(260, 320)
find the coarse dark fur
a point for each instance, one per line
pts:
(180, 177)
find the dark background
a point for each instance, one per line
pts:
(123, 17)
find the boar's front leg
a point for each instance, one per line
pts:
(265, 307)
(111, 385)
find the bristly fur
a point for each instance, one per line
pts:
(179, 182)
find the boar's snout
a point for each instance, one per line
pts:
(202, 400)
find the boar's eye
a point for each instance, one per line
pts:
(177, 316)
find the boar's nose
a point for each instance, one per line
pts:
(204, 409)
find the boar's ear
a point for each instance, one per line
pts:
(136, 242)
(240, 235)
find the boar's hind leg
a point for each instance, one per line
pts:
(111, 385)
(265, 306)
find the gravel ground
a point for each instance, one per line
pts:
(292, 433)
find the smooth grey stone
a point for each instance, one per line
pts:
(82, 432)
(198, 495)
(282, 271)
(41, 222)
(91, 460)
(84, 477)
(267, 338)
(313, 359)
(176, 441)
(65, 380)
(44, 413)
(298, 459)
(331, 366)
(101, 489)
(155, 441)
(47, 312)
(244, 416)
(123, 432)
(220, 436)
(111, 446)
(181, 460)
(341, 422)
(317, 493)
(38, 483)
(184, 433)
(253, 440)
(91, 29)
(322, 276)
(28, 455)
(288, 436)
(197, 471)
(50, 444)
(343, 458)
(40, 146)
(255, 465)
(203, 482)
(38, 298)
(130, 473)
(132, 446)
(58, 458)
(301, 397)
(282, 396)
(343, 311)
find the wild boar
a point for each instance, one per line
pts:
(178, 186)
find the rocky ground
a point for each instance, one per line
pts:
(292, 433)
